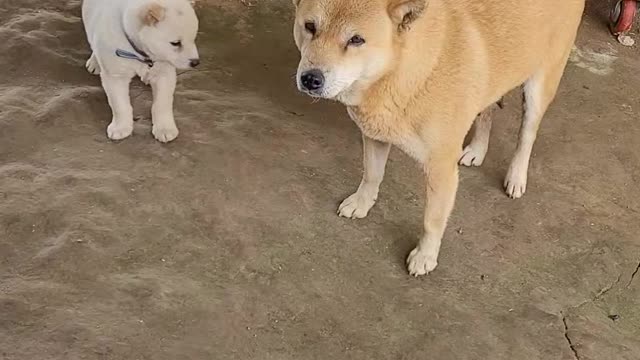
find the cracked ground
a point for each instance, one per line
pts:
(225, 244)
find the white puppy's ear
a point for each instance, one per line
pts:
(404, 12)
(152, 14)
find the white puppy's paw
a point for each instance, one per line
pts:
(515, 183)
(473, 155)
(92, 65)
(116, 131)
(357, 205)
(165, 133)
(419, 262)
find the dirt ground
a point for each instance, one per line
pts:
(225, 244)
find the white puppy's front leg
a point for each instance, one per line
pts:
(163, 83)
(92, 65)
(117, 89)
(375, 156)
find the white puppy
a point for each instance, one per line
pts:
(148, 38)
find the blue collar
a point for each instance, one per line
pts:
(137, 54)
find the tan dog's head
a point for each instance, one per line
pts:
(167, 31)
(346, 45)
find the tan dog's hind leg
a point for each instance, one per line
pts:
(92, 65)
(539, 91)
(375, 156)
(441, 174)
(474, 153)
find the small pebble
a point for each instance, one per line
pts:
(626, 40)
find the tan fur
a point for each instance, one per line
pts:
(427, 69)
(152, 14)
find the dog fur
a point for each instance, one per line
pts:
(165, 31)
(416, 73)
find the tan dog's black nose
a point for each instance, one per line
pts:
(194, 62)
(312, 80)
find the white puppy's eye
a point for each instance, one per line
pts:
(356, 40)
(310, 27)
(176, 43)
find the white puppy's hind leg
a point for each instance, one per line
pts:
(163, 84)
(117, 89)
(92, 65)
(375, 155)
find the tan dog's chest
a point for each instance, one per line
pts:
(388, 127)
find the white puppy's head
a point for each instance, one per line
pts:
(167, 31)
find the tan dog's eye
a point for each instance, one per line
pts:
(310, 27)
(356, 40)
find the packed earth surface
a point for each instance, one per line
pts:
(225, 243)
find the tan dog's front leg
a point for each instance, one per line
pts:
(441, 174)
(117, 89)
(162, 78)
(474, 153)
(375, 156)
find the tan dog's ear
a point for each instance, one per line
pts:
(152, 14)
(404, 12)
(296, 2)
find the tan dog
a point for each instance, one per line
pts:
(415, 74)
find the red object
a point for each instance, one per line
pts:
(622, 16)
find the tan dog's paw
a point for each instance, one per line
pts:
(165, 134)
(515, 184)
(420, 262)
(356, 206)
(92, 65)
(472, 155)
(118, 131)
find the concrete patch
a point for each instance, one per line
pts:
(599, 63)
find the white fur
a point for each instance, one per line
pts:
(474, 153)
(107, 24)
(515, 183)
(357, 206)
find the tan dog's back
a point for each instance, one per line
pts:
(518, 37)
(491, 46)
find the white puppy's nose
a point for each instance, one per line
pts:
(194, 62)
